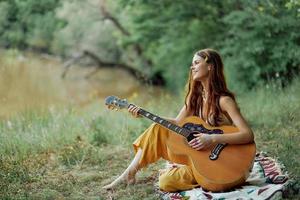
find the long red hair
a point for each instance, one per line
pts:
(217, 87)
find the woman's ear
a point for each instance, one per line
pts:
(209, 67)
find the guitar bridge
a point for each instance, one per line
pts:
(216, 151)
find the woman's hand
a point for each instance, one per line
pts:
(134, 110)
(201, 141)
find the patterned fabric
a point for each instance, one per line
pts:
(267, 180)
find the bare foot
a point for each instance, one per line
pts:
(127, 177)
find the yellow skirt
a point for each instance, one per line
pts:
(152, 142)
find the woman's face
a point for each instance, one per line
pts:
(199, 68)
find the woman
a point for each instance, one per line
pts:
(208, 98)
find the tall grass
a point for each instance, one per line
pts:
(37, 143)
(274, 114)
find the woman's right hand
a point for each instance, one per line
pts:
(133, 109)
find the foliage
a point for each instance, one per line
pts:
(262, 43)
(170, 32)
(28, 23)
(85, 30)
(258, 40)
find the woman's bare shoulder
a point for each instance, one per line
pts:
(227, 102)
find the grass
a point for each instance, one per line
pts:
(70, 152)
(274, 114)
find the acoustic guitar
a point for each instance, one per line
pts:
(218, 168)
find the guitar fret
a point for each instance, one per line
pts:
(173, 126)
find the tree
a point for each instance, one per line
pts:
(262, 43)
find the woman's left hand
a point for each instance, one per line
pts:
(201, 141)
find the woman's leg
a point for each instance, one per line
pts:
(177, 179)
(129, 174)
(149, 147)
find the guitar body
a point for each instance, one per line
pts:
(231, 167)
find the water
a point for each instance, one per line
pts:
(29, 81)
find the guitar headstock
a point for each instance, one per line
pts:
(115, 102)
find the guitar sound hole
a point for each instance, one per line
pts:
(191, 136)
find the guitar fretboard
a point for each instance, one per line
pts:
(164, 123)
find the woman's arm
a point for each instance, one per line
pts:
(245, 134)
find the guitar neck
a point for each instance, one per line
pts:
(164, 123)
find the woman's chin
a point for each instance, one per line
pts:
(200, 78)
(196, 79)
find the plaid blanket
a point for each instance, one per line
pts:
(267, 180)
